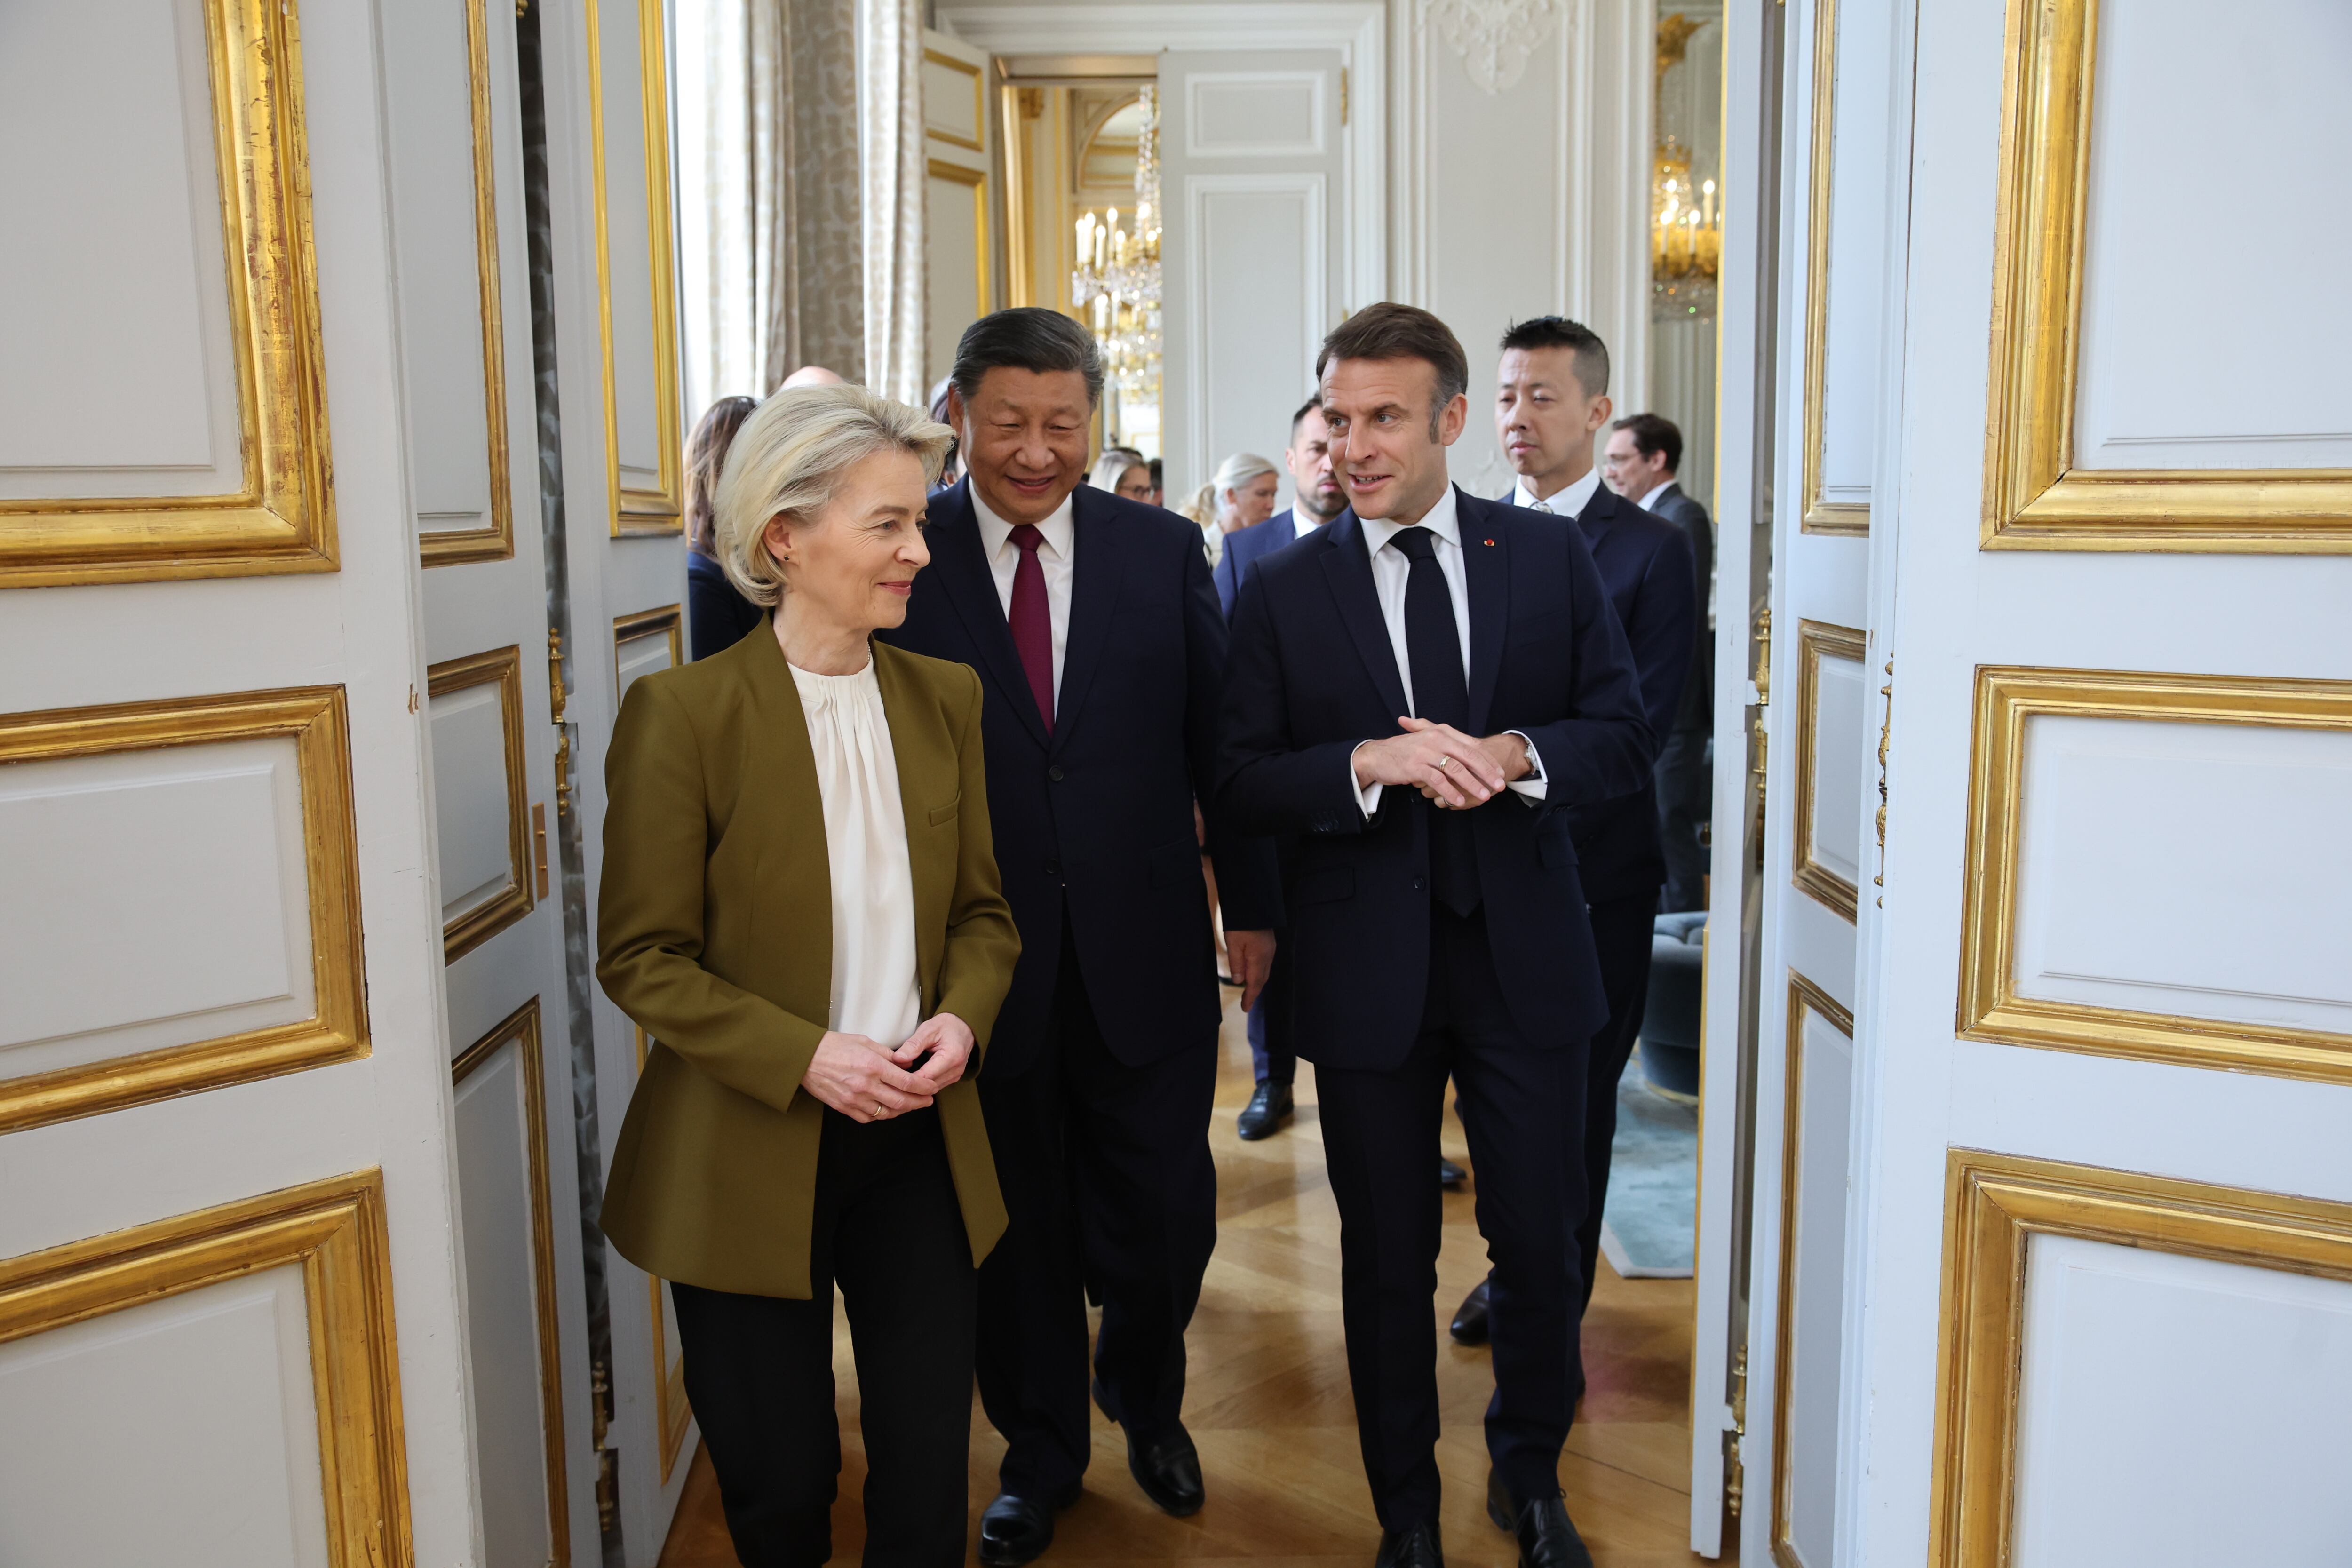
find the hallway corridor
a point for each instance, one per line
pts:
(1269, 1398)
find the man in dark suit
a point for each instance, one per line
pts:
(1420, 693)
(1094, 628)
(1315, 500)
(1642, 454)
(1554, 395)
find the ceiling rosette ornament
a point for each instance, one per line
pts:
(1493, 37)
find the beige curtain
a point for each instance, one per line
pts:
(767, 123)
(890, 141)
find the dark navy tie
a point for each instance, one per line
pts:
(1432, 643)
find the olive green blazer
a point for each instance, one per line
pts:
(714, 932)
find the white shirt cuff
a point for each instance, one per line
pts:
(1367, 796)
(1532, 787)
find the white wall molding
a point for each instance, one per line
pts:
(1357, 29)
(1495, 39)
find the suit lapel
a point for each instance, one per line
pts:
(1486, 565)
(1097, 567)
(960, 566)
(1348, 566)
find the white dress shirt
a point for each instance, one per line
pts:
(1570, 502)
(876, 988)
(1054, 559)
(1391, 570)
(1301, 525)
(1653, 495)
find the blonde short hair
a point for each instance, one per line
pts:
(789, 458)
(1232, 475)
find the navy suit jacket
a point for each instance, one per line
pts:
(1646, 564)
(1676, 506)
(1313, 675)
(1246, 547)
(1099, 812)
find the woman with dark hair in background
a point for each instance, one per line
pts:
(716, 615)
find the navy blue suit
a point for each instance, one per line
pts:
(1099, 1075)
(1685, 792)
(1272, 1053)
(1394, 992)
(1645, 563)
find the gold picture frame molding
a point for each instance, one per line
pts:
(661, 511)
(1994, 1206)
(520, 1028)
(1819, 516)
(494, 540)
(1989, 1007)
(502, 667)
(1817, 640)
(979, 101)
(281, 519)
(2034, 496)
(315, 719)
(334, 1230)
(1804, 996)
(976, 180)
(662, 620)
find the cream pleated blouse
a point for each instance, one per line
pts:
(877, 989)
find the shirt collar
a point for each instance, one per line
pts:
(1441, 521)
(995, 532)
(1570, 502)
(1653, 495)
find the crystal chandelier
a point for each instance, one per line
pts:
(1116, 281)
(1685, 236)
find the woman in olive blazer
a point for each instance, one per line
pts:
(801, 908)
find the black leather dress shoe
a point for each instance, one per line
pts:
(1263, 1117)
(1169, 1471)
(1450, 1174)
(1414, 1548)
(1469, 1325)
(1547, 1537)
(1017, 1529)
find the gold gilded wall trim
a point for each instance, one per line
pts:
(494, 541)
(667, 620)
(1994, 1206)
(1817, 640)
(660, 511)
(334, 1230)
(1822, 516)
(1804, 996)
(281, 518)
(979, 103)
(1989, 1007)
(520, 1028)
(672, 1415)
(314, 718)
(2035, 497)
(502, 667)
(976, 179)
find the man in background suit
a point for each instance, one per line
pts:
(1553, 397)
(1095, 629)
(1315, 500)
(1418, 692)
(1642, 454)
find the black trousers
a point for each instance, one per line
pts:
(1269, 1022)
(1109, 1192)
(759, 1369)
(1685, 800)
(1379, 1139)
(1621, 931)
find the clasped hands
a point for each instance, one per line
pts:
(1455, 770)
(866, 1080)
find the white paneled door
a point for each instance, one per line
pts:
(2051, 1258)
(230, 1269)
(1253, 172)
(458, 157)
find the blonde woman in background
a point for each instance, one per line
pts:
(1244, 493)
(1124, 473)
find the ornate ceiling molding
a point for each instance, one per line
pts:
(1493, 37)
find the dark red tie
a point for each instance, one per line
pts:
(1033, 621)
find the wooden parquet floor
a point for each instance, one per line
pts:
(1267, 1399)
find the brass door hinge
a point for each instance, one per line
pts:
(539, 841)
(1343, 95)
(1735, 1480)
(555, 706)
(1885, 733)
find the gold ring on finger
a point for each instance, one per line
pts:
(877, 1111)
(1445, 762)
